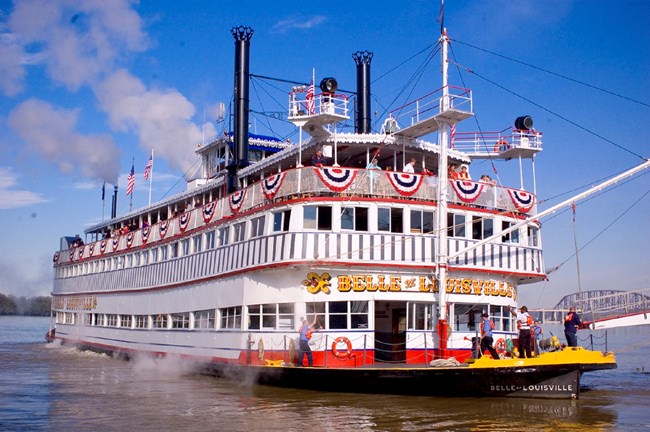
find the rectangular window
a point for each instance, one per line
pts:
(347, 315)
(512, 236)
(466, 317)
(456, 225)
(271, 316)
(421, 316)
(281, 220)
(231, 318)
(422, 221)
(185, 247)
(181, 320)
(204, 319)
(111, 320)
(317, 217)
(354, 218)
(482, 228)
(257, 227)
(503, 320)
(126, 321)
(141, 321)
(197, 243)
(390, 220)
(239, 230)
(224, 238)
(160, 321)
(533, 239)
(210, 237)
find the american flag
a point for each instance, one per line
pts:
(311, 106)
(147, 169)
(130, 181)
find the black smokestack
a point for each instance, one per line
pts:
(242, 37)
(114, 204)
(362, 117)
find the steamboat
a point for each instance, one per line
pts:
(395, 266)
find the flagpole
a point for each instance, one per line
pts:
(151, 176)
(103, 199)
(131, 201)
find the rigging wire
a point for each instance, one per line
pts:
(554, 73)
(589, 131)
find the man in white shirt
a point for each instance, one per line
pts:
(410, 167)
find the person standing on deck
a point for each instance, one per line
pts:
(572, 323)
(305, 335)
(536, 335)
(524, 321)
(410, 167)
(487, 325)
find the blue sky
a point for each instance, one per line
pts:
(86, 87)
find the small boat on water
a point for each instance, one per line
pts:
(395, 265)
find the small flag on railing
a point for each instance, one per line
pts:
(147, 169)
(311, 106)
(130, 181)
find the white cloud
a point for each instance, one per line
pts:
(300, 23)
(50, 133)
(15, 198)
(161, 118)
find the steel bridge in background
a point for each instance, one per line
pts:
(620, 308)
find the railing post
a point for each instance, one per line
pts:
(325, 352)
(426, 351)
(365, 348)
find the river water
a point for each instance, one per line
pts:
(48, 387)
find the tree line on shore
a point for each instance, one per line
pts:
(32, 306)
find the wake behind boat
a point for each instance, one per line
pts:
(226, 272)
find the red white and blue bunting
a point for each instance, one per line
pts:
(116, 243)
(72, 254)
(336, 179)
(129, 239)
(144, 233)
(271, 185)
(208, 211)
(406, 184)
(163, 226)
(102, 246)
(236, 199)
(55, 258)
(467, 191)
(91, 249)
(184, 220)
(524, 201)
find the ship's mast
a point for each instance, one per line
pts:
(441, 267)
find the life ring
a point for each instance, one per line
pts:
(342, 355)
(501, 145)
(501, 346)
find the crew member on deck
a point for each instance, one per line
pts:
(524, 321)
(318, 160)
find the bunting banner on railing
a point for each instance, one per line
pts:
(163, 226)
(336, 179)
(55, 258)
(208, 211)
(116, 243)
(236, 199)
(467, 191)
(129, 239)
(524, 201)
(102, 246)
(406, 184)
(91, 249)
(144, 233)
(72, 254)
(271, 185)
(184, 220)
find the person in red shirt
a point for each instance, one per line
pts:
(451, 173)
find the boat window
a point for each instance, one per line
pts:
(317, 217)
(204, 319)
(181, 320)
(231, 318)
(126, 321)
(390, 220)
(466, 317)
(533, 236)
(164, 253)
(502, 318)
(456, 225)
(111, 320)
(271, 316)
(160, 321)
(421, 316)
(173, 250)
(210, 239)
(239, 230)
(154, 255)
(281, 220)
(422, 221)
(511, 237)
(257, 227)
(197, 242)
(141, 321)
(482, 228)
(185, 247)
(354, 218)
(223, 236)
(347, 315)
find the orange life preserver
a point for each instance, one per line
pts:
(501, 145)
(501, 346)
(342, 354)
